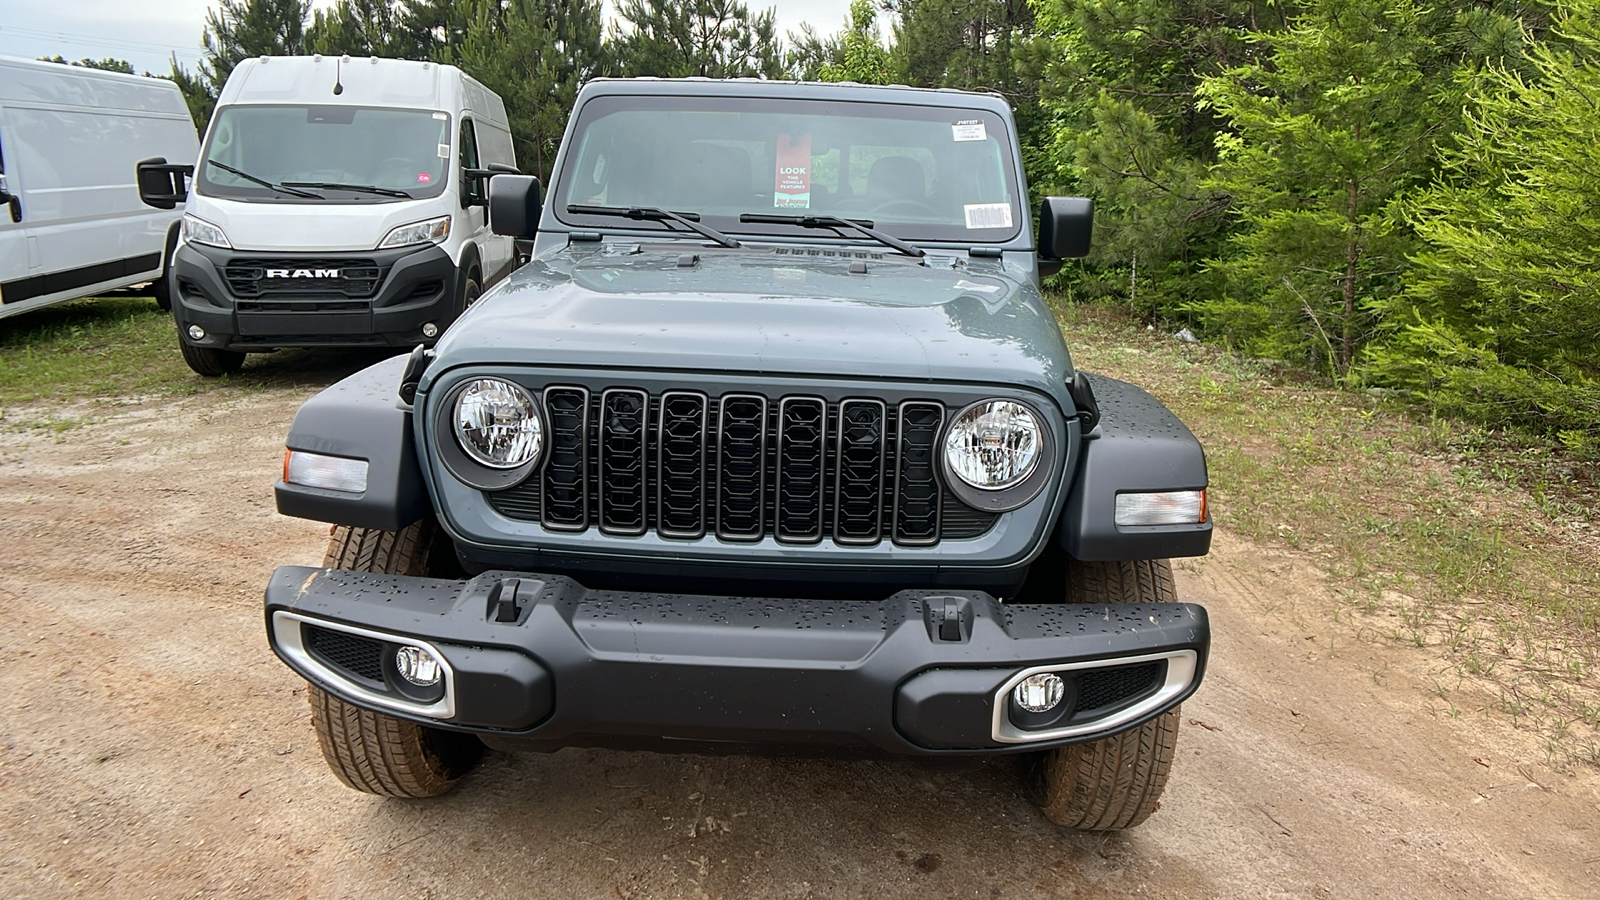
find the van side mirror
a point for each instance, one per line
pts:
(514, 204)
(162, 185)
(477, 183)
(1066, 225)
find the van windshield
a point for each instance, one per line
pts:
(915, 172)
(400, 152)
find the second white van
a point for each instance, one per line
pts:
(337, 202)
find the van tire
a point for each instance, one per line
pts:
(471, 290)
(209, 361)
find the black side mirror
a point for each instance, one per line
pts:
(1066, 225)
(161, 184)
(514, 204)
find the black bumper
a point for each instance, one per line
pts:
(381, 298)
(920, 673)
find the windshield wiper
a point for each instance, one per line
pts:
(835, 222)
(336, 186)
(294, 192)
(652, 214)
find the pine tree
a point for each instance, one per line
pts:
(706, 38)
(238, 29)
(1500, 321)
(1335, 120)
(861, 56)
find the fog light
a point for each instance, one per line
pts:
(417, 666)
(1039, 693)
(430, 330)
(196, 333)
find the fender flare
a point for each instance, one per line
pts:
(1139, 445)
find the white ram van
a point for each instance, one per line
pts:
(338, 202)
(71, 224)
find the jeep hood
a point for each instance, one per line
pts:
(767, 312)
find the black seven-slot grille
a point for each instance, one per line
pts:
(355, 278)
(742, 467)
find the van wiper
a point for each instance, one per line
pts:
(652, 214)
(835, 222)
(363, 188)
(294, 192)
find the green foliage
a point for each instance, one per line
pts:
(861, 57)
(705, 38)
(239, 29)
(1334, 120)
(1117, 82)
(1500, 322)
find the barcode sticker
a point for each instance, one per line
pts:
(988, 215)
(969, 130)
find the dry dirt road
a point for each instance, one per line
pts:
(152, 746)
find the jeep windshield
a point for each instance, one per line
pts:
(348, 154)
(914, 172)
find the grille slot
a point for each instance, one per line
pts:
(799, 469)
(1102, 688)
(742, 467)
(565, 502)
(681, 473)
(858, 473)
(359, 656)
(623, 414)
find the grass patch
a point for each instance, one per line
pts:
(119, 347)
(1481, 546)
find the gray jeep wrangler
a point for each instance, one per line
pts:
(772, 442)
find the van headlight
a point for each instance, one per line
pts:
(198, 231)
(428, 230)
(497, 424)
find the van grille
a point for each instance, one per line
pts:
(742, 467)
(356, 278)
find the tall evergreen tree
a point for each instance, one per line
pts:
(707, 38)
(1500, 319)
(359, 28)
(237, 29)
(1326, 129)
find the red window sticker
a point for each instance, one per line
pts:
(423, 178)
(793, 188)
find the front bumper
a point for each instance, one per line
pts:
(919, 673)
(408, 287)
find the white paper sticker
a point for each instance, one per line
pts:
(969, 130)
(440, 116)
(444, 151)
(965, 285)
(988, 215)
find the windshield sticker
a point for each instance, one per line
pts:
(444, 151)
(988, 215)
(969, 130)
(793, 187)
(423, 178)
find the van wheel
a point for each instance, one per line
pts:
(209, 361)
(1115, 782)
(471, 290)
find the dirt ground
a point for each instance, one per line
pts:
(152, 746)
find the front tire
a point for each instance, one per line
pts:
(371, 751)
(209, 361)
(1115, 782)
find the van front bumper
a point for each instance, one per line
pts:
(254, 300)
(539, 662)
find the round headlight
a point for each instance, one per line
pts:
(994, 445)
(497, 425)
